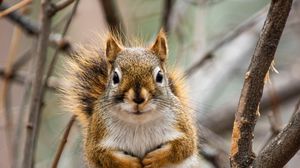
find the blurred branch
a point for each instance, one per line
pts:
(168, 5)
(63, 142)
(282, 148)
(48, 74)
(247, 113)
(113, 17)
(209, 54)
(36, 99)
(225, 114)
(213, 147)
(60, 6)
(28, 25)
(32, 28)
(15, 7)
(5, 100)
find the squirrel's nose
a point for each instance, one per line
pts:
(138, 100)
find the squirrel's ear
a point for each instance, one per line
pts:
(160, 46)
(112, 49)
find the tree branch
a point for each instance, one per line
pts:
(60, 6)
(35, 101)
(247, 112)
(225, 118)
(168, 5)
(113, 17)
(32, 28)
(282, 148)
(225, 40)
(63, 142)
(15, 7)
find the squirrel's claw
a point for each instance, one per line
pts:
(157, 158)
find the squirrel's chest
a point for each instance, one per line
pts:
(139, 139)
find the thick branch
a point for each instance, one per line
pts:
(113, 17)
(36, 98)
(247, 112)
(282, 148)
(168, 5)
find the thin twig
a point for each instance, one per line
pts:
(35, 101)
(247, 113)
(19, 129)
(213, 147)
(51, 68)
(209, 54)
(15, 7)
(60, 6)
(225, 114)
(5, 89)
(282, 148)
(63, 142)
(32, 28)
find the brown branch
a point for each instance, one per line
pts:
(6, 87)
(28, 25)
(113, 17)
(35, 100)
(213, 147)
(209, 54)
(282, 148)
(168, 5)
(225, 118)
(247, 113)
(15, 7)
(32, 28)
(60, 6)
(63, 142)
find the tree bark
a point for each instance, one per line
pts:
(247, 113)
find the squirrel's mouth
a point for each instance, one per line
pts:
(137, 113)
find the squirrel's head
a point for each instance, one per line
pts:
(138, 86)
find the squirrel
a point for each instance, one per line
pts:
(133, 111)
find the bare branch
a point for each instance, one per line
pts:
(168, 5)
(282, 148)
(60, 6)
(225, 118)
(32, 28)
(213, 147)
(24, 22)
(247, 112)
(226, 39)
(35, 101)
(15, 7)
(63, 142)
(113, 17)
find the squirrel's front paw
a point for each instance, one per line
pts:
(157, 158)
(127, 161)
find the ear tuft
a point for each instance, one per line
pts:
(112, 49)
(160, 46)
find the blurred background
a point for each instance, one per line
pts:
(211, 40)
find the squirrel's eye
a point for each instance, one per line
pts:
(116, 78)
(159, 77)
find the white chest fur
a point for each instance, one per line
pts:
(139, 139)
